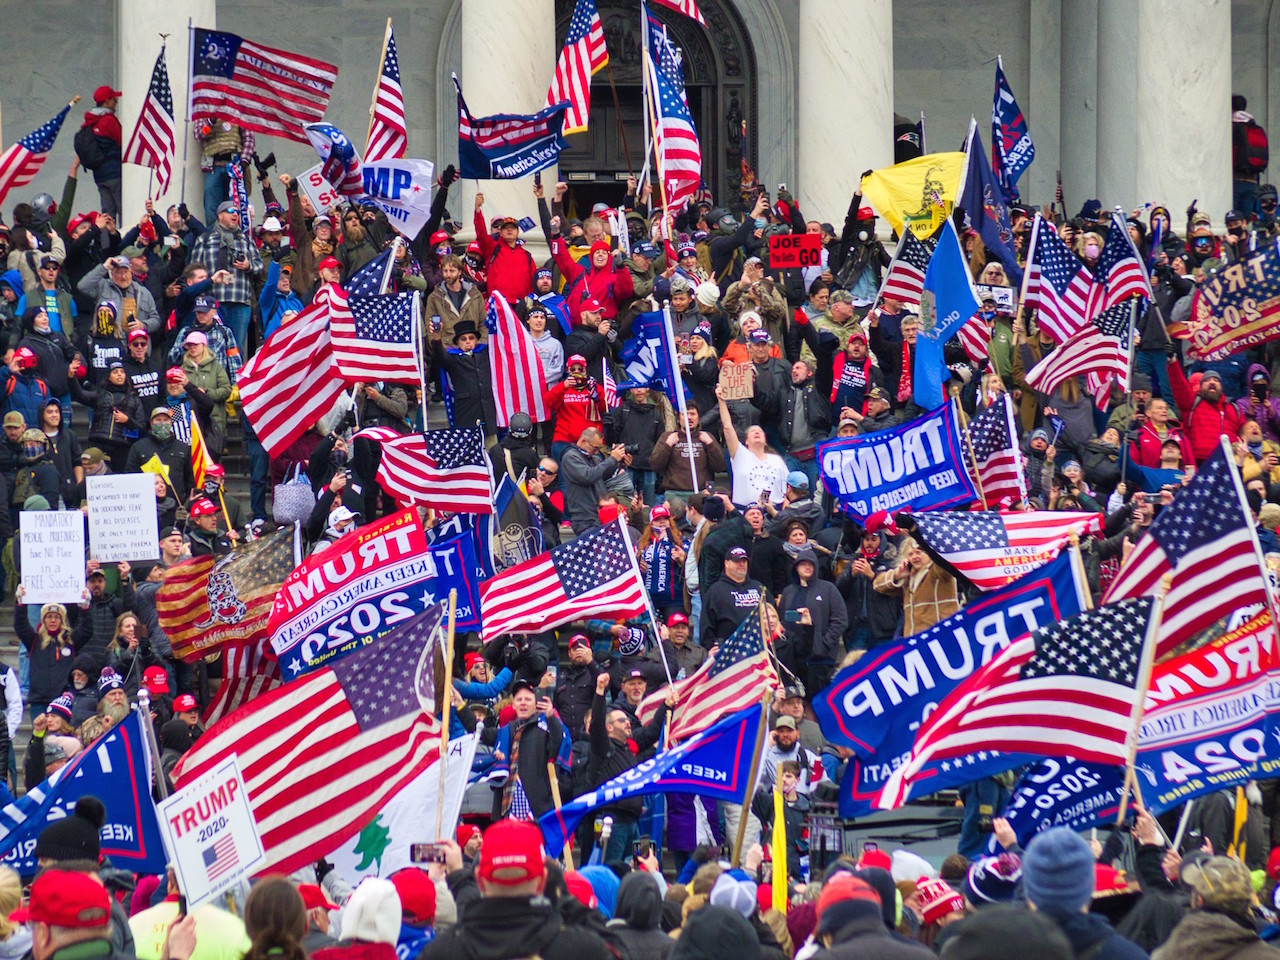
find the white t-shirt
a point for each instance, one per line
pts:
(752, 475)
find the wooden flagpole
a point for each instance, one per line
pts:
(752, 774)
(373, 102)
(622, 131)
(447, 697)
(1140, 698)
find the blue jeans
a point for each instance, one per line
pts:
(808, 467)
(259, 472)
(695, 617)
(1244, 197)
(645, 481)
(217, 187)
(237, 317)
(620, 841)
(1152, 363)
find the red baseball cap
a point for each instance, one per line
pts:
(512, 854)
(185, 703)
(138, 334)
(581, 888)
(472, 658)
(677, 618)
(215, 470)
(174, 375)
(417, 894)
(156, 680)
(466, 831)
(577, 359)
(581, 640)
(25, 357)
(203, 507)
(62, 898)
(329, 263)
(591, 304)
(105, 93)
(313, 896)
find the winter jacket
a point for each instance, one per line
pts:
(134, 301)
(672, 462)
(1267, 410)
(575, 689)
(637, 425)
(867, 608)
(1084, 930)
(26, 394)
(106, 401)
(636, 927)
(867, 938)
(63, 304)
(611, 285)
(1207, 935)
(173, 453)
(583, 475)
(440, 304)
(1145, 444)
(107, 136)
(54, 353)
(272, 304)
(701, 375)
(928, 595)
(543, 741)
(50, 665)
(1206, 422)
(64, 454)
(509, 271)
(574, 409)
(824, 640)
(469, 376)
(499, 928)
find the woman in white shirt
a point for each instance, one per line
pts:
(756, 470)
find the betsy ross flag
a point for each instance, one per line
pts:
(322, 755)
(992, 549)
(993, 438)
(1206, 540)
(594, 575)
(258, 87)
(1100, 348)
(220, 857)
(1057, 283)
(22, 161)
(1068, 689)
(584, 53)
(373, 337)
(1119, 268)
(443, 469)
(675, 139)
(152, 142)
(388, 137)
(688, 7)
(732, 680)
(514, 365)
(904, 280)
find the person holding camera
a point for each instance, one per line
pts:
(585, 467)
(224, 246)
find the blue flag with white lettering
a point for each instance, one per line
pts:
(714, 763)
(649, 359)
(946, 305)
(508, 146)
(1011, 148)
(115, 768)
(875, 706)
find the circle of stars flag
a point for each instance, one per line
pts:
(22, 161)
(152, 143)
(388, 138)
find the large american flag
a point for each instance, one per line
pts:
(993, 549)
(732, 680)
(373, 337)
(260, 88)
(515, 368)
(584, 53)
(388, 138)
(152, 142)
(688, 7)
(904, 279)
(247, 673)
(1119, 269)
(289, 384)
(594, 575)
(1205, 539)
(675, 138)
(1068, 689)
(993, 438)
(322, 755)
(1058, 283)
(1100, 347)
(22, 161)
(444, 469)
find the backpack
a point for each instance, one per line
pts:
(1256, 149)
(87, 148)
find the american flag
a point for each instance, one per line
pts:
(1100, 347)
(675, 139)
(322, 755)
(247, 673)
(993, 549)
(904, 279)
(289, 384)
(1120, 269)
(975, 336)
(374, 277)
(22, 161)
(688, 7)
(1205, 538)
(388, 138)
(993, 438)
(219, 857)
(1058, 284)
(152, 142)
(733, 680)
(594, 575)
(514, 365)
(445, 469)
(373, 337)
(584, 53)
(1068, 689)
(610, 386)
(260, 88)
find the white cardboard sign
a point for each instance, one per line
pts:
(52, 552)
(122, 517)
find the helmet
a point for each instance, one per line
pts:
(521, 426)
(44, 206)
(34, 444)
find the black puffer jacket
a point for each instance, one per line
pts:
(635, 931)
(498, 928)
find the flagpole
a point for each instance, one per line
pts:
(682, 408)
(1238, 483)
(752, 776)
(377, 83)
(622, 131)
(186, 129)
(447, 697)
(1077, 561)
(419, 361)
(1140, 697)
(973, 456)
(648, 601)
(923, 149)
(153, 748)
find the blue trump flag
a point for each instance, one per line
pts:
(649, 358)
(875, 706)
(946, 305)
(1011, 148)
(115, 768)
(987, 209)
(714, 763)
(339, 162)
(919, 465)
(508, 146)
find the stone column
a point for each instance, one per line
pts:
(1118, 85)
(845, 102)
(1079, 118)
(139, 24)
(508, 57)
(1183, 134)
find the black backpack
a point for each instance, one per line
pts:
(87, 148)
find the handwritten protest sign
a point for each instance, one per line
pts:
(122, 517)
(737, 382)
(795, 250)
(52, 556)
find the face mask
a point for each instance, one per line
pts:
(32, 451)
(864, 235)
(338, 458)
(211, 488)
(162, 431)
(1091, 250)
(761, 224)
(988, 315)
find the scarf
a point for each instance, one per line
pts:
(904, 380)
(660, 579)
(513, 766)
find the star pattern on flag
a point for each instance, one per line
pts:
(989, 432)
(376, 673)
(160, 86)
(954, 533)
(1114, 323)
(745, 642)
(580, 25)
(598, 557)
(1103, 644)
(671, 83)
(386, 319)
(40, 140)
(367, 281)
(917, 252)
(1203, 514)
(391, 68)
(450, 449)
(1058, 265)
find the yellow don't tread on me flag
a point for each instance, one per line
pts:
(917, 194)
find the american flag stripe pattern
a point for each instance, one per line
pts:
(491, 132)
(611, 399)
(675, 139)
(1058, 283)
(289, 384)
(21, 162)
(975, 336)
(594, 575)
(247, 673)
(688, 7)
(443, 469)
(991, 549)
(904, 280)
(181, 602)
(258, 87)
(1067, 689)
(1119, 268)
(1205, 539)
(994, 441)
(322, 755)
(735, 679)
(152, 143)
(373, 336)
(584, 53)
(388, 137)
(1100, 347)
(514, 365)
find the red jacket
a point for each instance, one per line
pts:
(574, 410)
(104, 124)
(1205, 421)
(1145, 452)
(610, 285)
(508, 270)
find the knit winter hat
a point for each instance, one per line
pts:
(937, 898)
(109, 680)
(64, 706)
(845, 898)
(74, 837)
(993, 879)
(373, 913)
(1057, 870)
(733, 890)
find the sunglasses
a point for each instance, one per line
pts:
(549, 473)
(52, 266)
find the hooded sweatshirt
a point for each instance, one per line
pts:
(635, 926)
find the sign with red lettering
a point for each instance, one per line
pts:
(795, 250)
(210, 834)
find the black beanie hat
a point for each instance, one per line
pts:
(75, 837)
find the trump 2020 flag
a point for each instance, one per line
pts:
(340, 164)
(508, 146)
(946, 305)
(649, 358)
(1011, 148)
